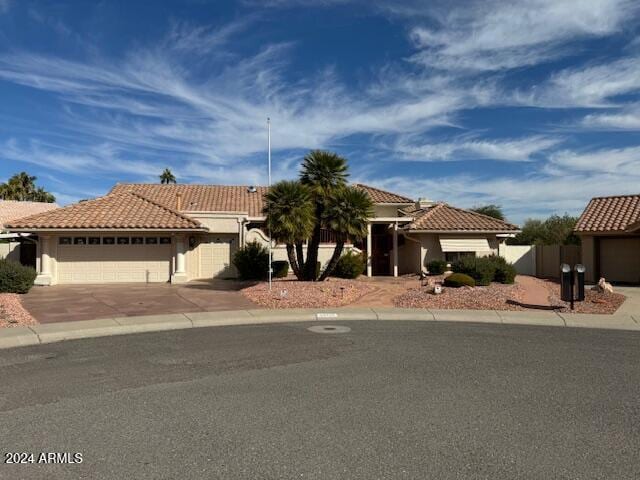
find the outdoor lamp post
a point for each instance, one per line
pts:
(569, 278)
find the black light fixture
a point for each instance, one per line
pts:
(569, 279)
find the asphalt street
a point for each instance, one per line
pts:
(386, 400)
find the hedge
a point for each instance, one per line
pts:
(15, 278)
(457, 280)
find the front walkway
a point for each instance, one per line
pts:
(63, 303)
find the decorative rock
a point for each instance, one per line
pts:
(603, 286)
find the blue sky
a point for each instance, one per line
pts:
(531, 104)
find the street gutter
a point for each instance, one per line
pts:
(57, 332)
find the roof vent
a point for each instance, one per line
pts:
(423, 203)
(252, 189)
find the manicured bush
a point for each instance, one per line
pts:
(15, 278)
(252, 262)
(280, 268)
(485, 270)
(437, 267)
(457, 280)
(481, 269)
(350, 265)
(505, 271)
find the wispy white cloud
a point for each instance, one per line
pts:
(627, 118)
(510, 150)
(619, 161)
(587, 86)
(496, 35)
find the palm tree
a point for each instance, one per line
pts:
(290, 219)
(22, 187)
(167, 177)
(347, 215)
(325, 173)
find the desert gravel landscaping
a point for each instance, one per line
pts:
(287, 293)
(12, 313)
(492, 297)
(595, 302)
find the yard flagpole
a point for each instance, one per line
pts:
(269, 183)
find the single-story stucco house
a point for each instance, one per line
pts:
(177, 233)
(11, 247)
(610, 232)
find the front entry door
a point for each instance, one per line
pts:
(381, 245)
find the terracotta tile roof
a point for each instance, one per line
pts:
(443, 217)
(12, 209)
(201, 198)
(382, 196)
(610, 214)
(126, 210)
(225, 198)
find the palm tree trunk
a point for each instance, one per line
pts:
(300, 255)
(292, 260)
(312, 252)
(337, 252)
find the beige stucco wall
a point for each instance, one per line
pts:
(386, 210)
(219, 223)
(430, 248)
(588, 249)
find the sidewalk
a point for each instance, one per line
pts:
(56, 332)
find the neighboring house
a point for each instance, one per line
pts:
(159, 233)
(10, 246)
(610, 232)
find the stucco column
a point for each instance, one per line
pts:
(242, 232)
(395, 249)
(44, 277)
(369, 269)
(180, 275)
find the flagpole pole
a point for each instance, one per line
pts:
(269, 183)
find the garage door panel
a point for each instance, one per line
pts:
(620, 259)
(114, 263)
(215, 256)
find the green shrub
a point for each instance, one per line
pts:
(485, 270)
(252, 262)
(437, 267)
(280, 268)
(505, 271)
(350, 265)
(457, 280)
(15, 278)
(481, 269)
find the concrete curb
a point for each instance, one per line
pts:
(57, 332)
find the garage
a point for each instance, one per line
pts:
(216, 253)
(619, 259)
(111, 259)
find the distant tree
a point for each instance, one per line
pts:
(555, 230)
(490, 210)
(22, 187)
(167, 177)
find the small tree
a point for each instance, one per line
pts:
(490, 210)
(555, 230)
(167, 177)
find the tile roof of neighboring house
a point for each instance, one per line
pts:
(382, 196)
(443, 217)
(610, 214)
(13, 209)
(226, 198)
(126, 210)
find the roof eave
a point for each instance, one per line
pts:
(409, 230)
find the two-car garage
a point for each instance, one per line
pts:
(618, 259)
(113, 259)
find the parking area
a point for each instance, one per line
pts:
(64, 303)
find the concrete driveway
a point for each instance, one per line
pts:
(64, 303)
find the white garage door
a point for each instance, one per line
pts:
(136, 259)
(620, 259)
(215, 256)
